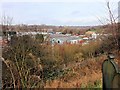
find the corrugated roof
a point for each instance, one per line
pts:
(68, 38)
(57, 35)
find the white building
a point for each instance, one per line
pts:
(61, 39)
(94, 35)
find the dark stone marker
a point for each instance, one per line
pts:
(116, 81)
(111, 75)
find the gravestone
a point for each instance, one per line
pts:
(116, 81)
(110, 73)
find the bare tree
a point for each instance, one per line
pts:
(6, 22)
(113, 26)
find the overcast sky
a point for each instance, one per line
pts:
(58, 12)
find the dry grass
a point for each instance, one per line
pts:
(87, 72)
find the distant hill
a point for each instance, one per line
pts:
(46, 28)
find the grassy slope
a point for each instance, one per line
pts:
(83, 74)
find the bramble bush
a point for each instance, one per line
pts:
(30, 63)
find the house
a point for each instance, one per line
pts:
(85, 38)
(75, 40)
(31, 33)
(58, 38)
(94, 35)
(91, 34)
(64, 39)
(58, 32)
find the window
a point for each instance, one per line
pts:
(58, 41)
